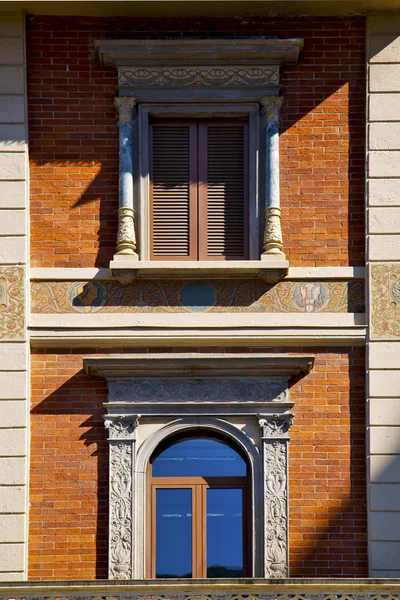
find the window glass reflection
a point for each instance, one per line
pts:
(173, 533)
(199, 457)
(224, 532)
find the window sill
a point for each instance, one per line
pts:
(126, 270)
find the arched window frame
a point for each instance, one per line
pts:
(235, 437)
(199, 541)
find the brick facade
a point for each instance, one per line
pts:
(74, 135)
(69, 478)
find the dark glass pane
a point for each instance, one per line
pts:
(173, 533)
(199, 457)
(224, 532)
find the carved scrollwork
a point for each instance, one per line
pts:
(120, 534)
(198, 390)
(275, 508)
(272, 106)
(275, 426)
(122, 427)
(199, 76)
(125, 106)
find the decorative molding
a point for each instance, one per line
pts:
(385, 301)
(198, 390)
(125, 106)
(122, 427)
(273, 242)
(275, 426)
(275, 466)
(178, 590)
(12, 303)
(232, 296)
(195, 52)
(272, 106)
(120, 507)
(201, 76)
(126, 237)
(147, 589)
(196, 365)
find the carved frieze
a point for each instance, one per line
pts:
(213, 593)
(201, 76)
(198, 390)
(385, 298)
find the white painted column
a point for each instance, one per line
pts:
(383, 257)
(14, 349)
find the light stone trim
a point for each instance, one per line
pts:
(237, 437)
(301, 273)
(14, 358)
(196, 321)
(263, 336)
(122, 437)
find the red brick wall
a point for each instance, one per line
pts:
(74, 143)
(68, 486)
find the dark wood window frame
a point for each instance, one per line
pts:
(196, 237)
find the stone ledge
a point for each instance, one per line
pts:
(126, 271)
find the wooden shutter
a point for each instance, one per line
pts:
(173, 190)
(199, 190)
(223, 190)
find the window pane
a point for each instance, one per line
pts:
(224, 532)
(199, 457)
(173, 533)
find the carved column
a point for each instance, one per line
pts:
(122, 437)
(272, 243)
(126, 238)
(275, 440)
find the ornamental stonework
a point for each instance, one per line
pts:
(12, 303)
(198, 76)
(238, 296)
(120, 523)
(197, 390)
(198, 594)
(385, 295)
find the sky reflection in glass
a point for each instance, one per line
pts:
(224, 532)
(173, 533)
(199, 457)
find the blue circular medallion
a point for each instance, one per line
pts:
(197, 296)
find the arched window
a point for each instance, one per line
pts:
(199, 509)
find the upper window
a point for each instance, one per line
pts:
(199, 510)
(199, 192)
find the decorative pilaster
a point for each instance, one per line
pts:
(272, 243)
(126, 238)
(275, 440)
(122, 437)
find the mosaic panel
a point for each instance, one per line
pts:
(224, 296)
(385, 298)
(12, 305)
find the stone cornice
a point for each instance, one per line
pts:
(195, 365)
(187, 52)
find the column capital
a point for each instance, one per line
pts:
(272, 106)
(275, 426)
(125, 106)
(122, 427)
